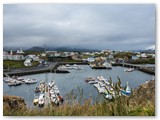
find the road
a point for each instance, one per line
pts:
(32, 69)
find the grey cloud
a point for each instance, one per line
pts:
(99, 26)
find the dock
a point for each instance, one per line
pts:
(40, 69)
(144, 68)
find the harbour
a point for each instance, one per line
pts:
(75, 80)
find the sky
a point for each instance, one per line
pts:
(91, 26)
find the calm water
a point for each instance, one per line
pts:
(74, 80)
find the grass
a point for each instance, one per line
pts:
(119, 107)
(16, 64)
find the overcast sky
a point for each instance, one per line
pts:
(96, 26)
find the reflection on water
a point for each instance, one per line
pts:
(75, 81)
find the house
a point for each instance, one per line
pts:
(143, 55)
(119, 60)
(43, 54)
(28, 62)
(134, 57)
(90, 59)
(20, 51)
(110, 56)
(12, 56)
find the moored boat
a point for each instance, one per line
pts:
(41, 100)
(35, 100)
(36, 89)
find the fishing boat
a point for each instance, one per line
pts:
(14, 83)
(76, 67)
(35, 100)
(108, 65)
(41, 100)
(36, 89)
(31, 81)
(108, 96)
(93, 82)
(129, 70)
(126, 92)
(87, 79)
(7, 79)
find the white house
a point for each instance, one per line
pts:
(20, 51)
(143, 55)
(12, 56)
(28, 62)
(134, 57)
(91, 59)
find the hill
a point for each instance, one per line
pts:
(66, 49)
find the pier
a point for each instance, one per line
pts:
(40, 69)
(150, 69)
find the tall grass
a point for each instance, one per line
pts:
(122, 106)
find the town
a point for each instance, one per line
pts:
(22, 59)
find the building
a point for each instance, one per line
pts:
(134, 57)
(90, 59)
(20, 51)
(13, 56)
(28, 62)
(143, 55)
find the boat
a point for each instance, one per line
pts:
(129, 70)
(87, 79)
(62, 69)
(75, 66)
(31, 81)
(36, 89)
(35, 100)
(41, 100)
(7, 79)
(14, 83)
(93, 82)
(126, 92)
(108, 65)
(108, 96)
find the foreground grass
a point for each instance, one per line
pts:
(119, 107)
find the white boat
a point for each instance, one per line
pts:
(108, 65)
(41, 100)
(96, 85)
(14, 83)
(108, 96)
(76, 67)
(126, 92)
(93, 82)
(31, 81)
(35, 100)
(7, 79)
(63, 68)
(129, 70)
(56, 91)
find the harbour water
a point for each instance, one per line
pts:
(75, 81)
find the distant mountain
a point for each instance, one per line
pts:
(145, 51)
(35, 49)
(66, 49)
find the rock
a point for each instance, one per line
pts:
(13, 102)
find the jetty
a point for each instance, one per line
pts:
(150, 69)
